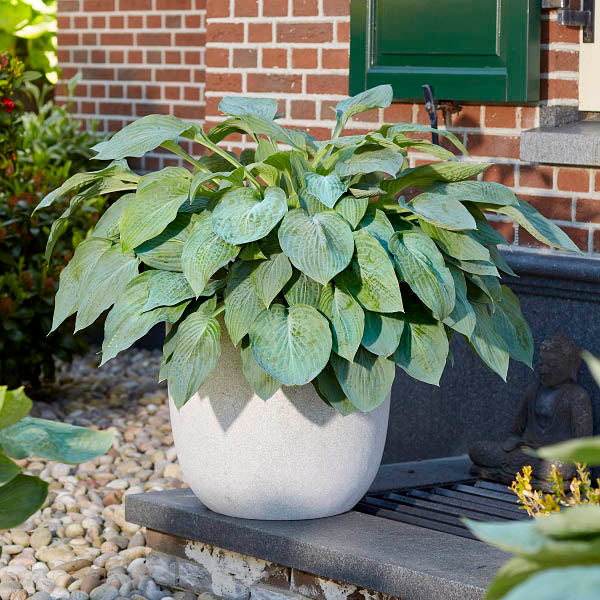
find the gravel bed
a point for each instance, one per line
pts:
(79, 545)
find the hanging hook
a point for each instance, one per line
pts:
(431, 107)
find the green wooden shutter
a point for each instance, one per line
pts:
(470, 50)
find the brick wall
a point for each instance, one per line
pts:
(139, 56)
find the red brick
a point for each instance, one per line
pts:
(189, 38)
(587, 210)
(99, 5)
(558, 88)
(335, 59)
(191, 94)
(260, 32)
(319, 133)
(573, 180)
(217, 8)
(139, 5)
(116, 22)
(343, 32)
(81, 22)
(193, 21)
(116, 39)
(153, 92)
(116, 108)
(469, 116)
(189, 112)
(596, 180)
(179, 75)
(596, 242)
(173, 21)
(64, 55)
(135, 21)
(193, 57)
(225, 32)
(129, 74)
(172, 57)
(98, 56)
(336, 8)
(63, 22)
(536, 176)
(96, 91)
(199, 75)
(172, 93)
(102, 73)
(304, 32)
(244, 57)
(135, 57)
(217, 57)
(68, 6)
(553, 32)
(500, 173)
(246, 8)
(116, 91)
(67, 39)
(305, 58)
(87, 39)
(305, 8)
(551, 207)
(224, 82)
(154, 21)
(98, 22)
(559, 60)
(398, 113)
(501, 116)
(273, 82)
(493, 145)
(327, 84)
(154, 39)
(303, 109)
(79, 56)
(173, 4)
(143, 109)
(274, 58)
(529, 117)
(505, 228)
(212, 104)
(116, 57)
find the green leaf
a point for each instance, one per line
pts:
(352, 209)
(240, 106)
(580, 582)
(109, 224)
(361, 161)
(346, 317)
(242, 303)
(423, 349)
(476, 267)
(292, 344)
(377, 97)
(402, 128)
(241, 216)
(537, 225)
(53, 440)
(196, 353)
(378, 225)
(167, 289)
(482, 192)
(462, 318)
(20, 498)
(141, 136)
(319, 245)
(204, 253)
(443, 211)
(260, 381)
(14, 405)
(488, 343)
(382, 333)
(367, 380)
(8, 470)
(270, 277)
(201, 178)
(303, 290)
(157, 200)
(421, 265)
(252, 251)
(457, 244)
(126, 322)
(327, 188)
(371, 278)
(329, 389)
(425, 146)
(74, 275)
(584, 451)
(499, 261)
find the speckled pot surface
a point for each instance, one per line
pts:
(291, 457)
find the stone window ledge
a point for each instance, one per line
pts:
(575, 143)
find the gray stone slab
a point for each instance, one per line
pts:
(570, 144)
(409, 562)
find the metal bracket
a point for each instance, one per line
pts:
(579, 18)
(448, 107)
(555, 3)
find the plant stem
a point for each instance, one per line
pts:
(220, 308)
(177, 149)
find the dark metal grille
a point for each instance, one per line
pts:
(441, 507)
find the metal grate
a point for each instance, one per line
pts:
(441, 507)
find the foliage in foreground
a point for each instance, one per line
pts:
(557, 555)
(323, 271)
(22, 436)
(38, 151)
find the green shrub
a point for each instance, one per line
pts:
(335, 276)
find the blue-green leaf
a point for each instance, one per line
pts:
(385, 160)
(443, 211)
(239, 106)
(377, 97)
(260, 381)
(327, 188)
(14, 405)
(8, 470)
(20, 498)
(383, 332)
(329, 389)
(455, 243)
(167, 289)
(352, 209)
(303, 290)
(270, 276)
(488, 343)
(462, 318)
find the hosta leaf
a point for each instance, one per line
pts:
(201, 178)
(109, 224)
(485, 192)
(346, 317)
(310, 203)
(126, 323)
(421, 265)
(404, 128)
(382, 333)
(352, 209)
(371, 278)
(537, 225)
(8, 470)
(157, 200)
(367, 380)
(425, 146)
(488, 343)
(583, 450)
(443, 211)
(499, 261)
(460, 245)
(196, 353)
(489, 285)
(73, 276)
(320, 245)
(241, 216)
(54, 440)
(141, 136)
(252, 251)
(378, 225)
(164, 251)
(581, 582)
(260, 381)
(477, 267)
(462, 318)
(242, 304)
(104, 284)
(377, 97)
(239, 106)
(270, 277)
(266, 173)
(167, 289)
(423, 349)
(204, 253)
(385, 160)
(329, 389)
(291, 344)
(14, 405)
(593, 365)
(509, 322)
(303, 290)
(327, 188)
(20, 498)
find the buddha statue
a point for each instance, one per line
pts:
(554, 409)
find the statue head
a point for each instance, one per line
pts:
(560, 358)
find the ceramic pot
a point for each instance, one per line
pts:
(291, 457)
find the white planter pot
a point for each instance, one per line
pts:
(291, 457)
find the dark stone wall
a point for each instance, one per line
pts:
(558, 294)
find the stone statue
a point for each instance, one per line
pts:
(554, 409)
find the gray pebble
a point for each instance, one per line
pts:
(79, 595)
(104, 592)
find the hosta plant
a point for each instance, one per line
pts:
(22, 436)
(306, 251)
